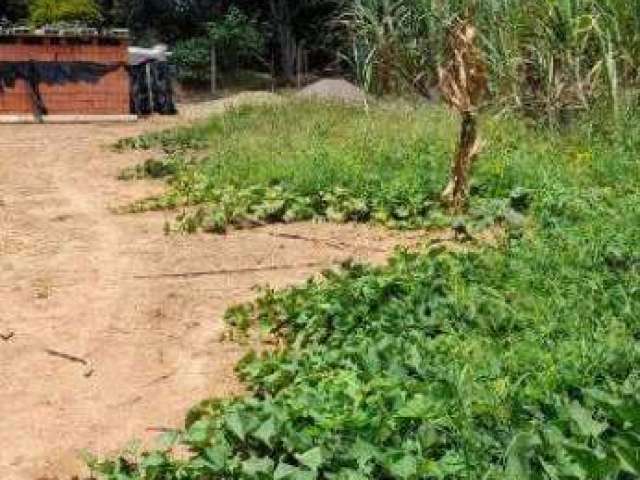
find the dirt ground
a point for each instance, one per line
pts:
(80, 284)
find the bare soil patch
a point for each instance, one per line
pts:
(133, 317)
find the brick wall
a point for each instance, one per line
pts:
(110, 95)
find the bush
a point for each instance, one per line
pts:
(193, 59)
(44, 12)
(236, 38)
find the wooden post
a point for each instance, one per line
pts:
(273, 72)
(214, 86)
(149, 83)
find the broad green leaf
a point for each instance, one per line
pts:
(406, 467)
(451, 464)
(549, 469)
(289, 472)
(585, 422)
(362, 452)
(233, 421)
(417, 408)
(350, 474)
(266, 431)
(284, 470)
(312, 459)
(519, 455)
(217, 456)
(256, 465)
(198, 432)
(629, 459)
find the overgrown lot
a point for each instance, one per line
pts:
(517, 361)
(314, 161)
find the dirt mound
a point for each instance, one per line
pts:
(334, 90)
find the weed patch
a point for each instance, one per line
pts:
(303, 161)
(518, 361)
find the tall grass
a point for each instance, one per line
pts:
(305, 160)
(546, 57)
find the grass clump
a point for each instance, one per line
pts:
(308, 160)
(312, 161)
(518, 361)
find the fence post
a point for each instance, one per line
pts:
(149, 85)
(299, 66)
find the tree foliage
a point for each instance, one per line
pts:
(236, 39)
(236, 36)
(43, 12)
(192, 57)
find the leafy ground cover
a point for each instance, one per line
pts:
(307, 160)
(518, 361)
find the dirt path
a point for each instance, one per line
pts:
(69, 283)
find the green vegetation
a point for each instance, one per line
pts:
(307, 160)
(547, 58)
(42, 12)
(515, 361)
(510, 361)
(192, 57)
(236, 39)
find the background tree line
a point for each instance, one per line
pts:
(282, 25)
(549, 58)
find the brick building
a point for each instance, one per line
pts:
(47, 75)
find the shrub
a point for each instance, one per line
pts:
(55, 11)
(193, 59)
(236, 38)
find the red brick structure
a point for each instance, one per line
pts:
(109, 95)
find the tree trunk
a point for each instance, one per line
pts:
(288, 53)
(457, 192)
(214, 73)
(286, 38)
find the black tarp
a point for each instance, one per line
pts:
(152, 93)
(140, 98)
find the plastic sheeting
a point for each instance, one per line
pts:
(138, 55)
(151, 88)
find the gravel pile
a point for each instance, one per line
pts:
(334, 90)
